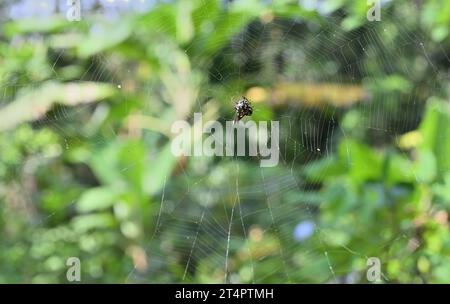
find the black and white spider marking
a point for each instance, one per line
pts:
(243, 108)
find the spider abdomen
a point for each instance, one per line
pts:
(243, 108)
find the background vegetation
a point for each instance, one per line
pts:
(86, 169)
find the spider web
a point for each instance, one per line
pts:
(224, 241)
(260, 212)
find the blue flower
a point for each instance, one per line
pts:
(304, 230)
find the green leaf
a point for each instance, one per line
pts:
(85, 223)
(185, 26)
(97, 199)
(425, 168)
(37, 25)
(324, 169)
(105, 36)
(400, 169)
(34, 103)
(363, 162)
(159, 170)
(443, 190)
(435, 130)
(105, 163)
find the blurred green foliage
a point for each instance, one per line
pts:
(86, 168)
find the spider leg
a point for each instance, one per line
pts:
(236, 118)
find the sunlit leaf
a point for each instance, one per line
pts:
(33, 104)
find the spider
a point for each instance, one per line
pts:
(243, 108)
